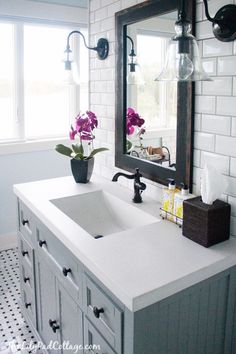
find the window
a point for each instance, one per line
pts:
(7, 92)
(157, 100)
(35, 102)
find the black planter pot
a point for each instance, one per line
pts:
(82, 170)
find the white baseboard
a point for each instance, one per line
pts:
(8, 241)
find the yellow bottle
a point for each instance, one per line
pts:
(168, 196)
(178, 203)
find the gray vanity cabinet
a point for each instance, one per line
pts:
(63, 301)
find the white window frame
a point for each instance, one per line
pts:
(20, 145)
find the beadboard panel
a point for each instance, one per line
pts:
(193, 321)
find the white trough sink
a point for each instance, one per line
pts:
(100, 213)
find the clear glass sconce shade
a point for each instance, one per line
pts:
(183, 62)
(132, 60)
(71, 72)
(134, 71)
(135, 77)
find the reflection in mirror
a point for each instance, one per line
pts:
(151, 118)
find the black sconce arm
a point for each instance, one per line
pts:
(77, 32)
(207, 12)
(102, 47)
(132, 53)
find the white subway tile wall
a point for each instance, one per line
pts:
(215, 117)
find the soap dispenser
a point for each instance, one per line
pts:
(168, 196)
(178, 203)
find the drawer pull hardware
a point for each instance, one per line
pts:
(24, 253)
(53, 325)
(41, 243)
(25, 222)
(26, 279)
(65, 271)
(27, 304)
(97, 311)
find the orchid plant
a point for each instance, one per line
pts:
(134, 120)
(83, 128)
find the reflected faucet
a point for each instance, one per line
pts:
(139, 186)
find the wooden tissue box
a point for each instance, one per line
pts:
(206, 224)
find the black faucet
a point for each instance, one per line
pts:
(139, 186)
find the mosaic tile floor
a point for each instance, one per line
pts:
(14, 330)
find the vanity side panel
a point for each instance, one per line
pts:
(194, 321)
(230, 333)
(128, 331)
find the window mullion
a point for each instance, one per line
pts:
(19, 80)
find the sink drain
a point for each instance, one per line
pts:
(98, 236)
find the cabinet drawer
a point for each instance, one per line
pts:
(93, 342)
(103, 313)
(65, 267)
(25, 251)
(28, 304)
(26, 222)
(26, 276)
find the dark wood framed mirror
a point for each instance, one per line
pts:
(162, 145)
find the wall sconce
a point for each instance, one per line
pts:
(132, 57)
(134, 76)
(102, 50)
(183, 62)
(224, 22)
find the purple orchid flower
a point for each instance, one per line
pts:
(93, 119)
(72, 133)
(133, 119)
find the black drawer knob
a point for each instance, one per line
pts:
(27, 304)
(55, 328)
(65, 271)
(41, 243)
(26, 279)
(24, 253)
(53, 324)
(97, 311)
(25, 222)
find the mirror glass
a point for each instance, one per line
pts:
(154, 119)
(151, 106)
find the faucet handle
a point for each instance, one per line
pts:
(137, 175)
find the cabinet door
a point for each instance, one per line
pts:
(70, 319)
(46, 304)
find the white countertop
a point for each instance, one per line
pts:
(139, 266)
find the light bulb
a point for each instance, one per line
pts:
(184, 66)
(135, 77)
(131, 78)
(71, 73)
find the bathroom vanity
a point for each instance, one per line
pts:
(142, 288)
